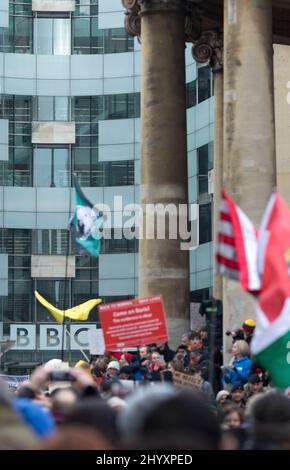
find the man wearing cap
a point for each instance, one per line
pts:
(254, 385)
(248, 329)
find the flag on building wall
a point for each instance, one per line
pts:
(86, 223)
(237, 246)
(80, 312)
(271, 341)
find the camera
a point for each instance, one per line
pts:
(61, 376)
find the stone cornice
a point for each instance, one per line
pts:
(209, 48)
(135, 9)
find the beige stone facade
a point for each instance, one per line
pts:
(282, 116)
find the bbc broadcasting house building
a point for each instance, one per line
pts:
(70, 103)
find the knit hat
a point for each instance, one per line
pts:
(249, 325)
(221, 393)
(114, 365)
(237, 387)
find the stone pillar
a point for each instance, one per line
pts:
(249, 172)
(163, 266)
(209, 48)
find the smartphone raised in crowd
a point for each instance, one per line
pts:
(61, 376)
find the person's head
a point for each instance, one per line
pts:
(84, 365)
(144, 352)
(237, 393)
(97, 415)
(113, 368)
(185, 339)
(270, 417)
(255, 384)
(155, 357)
(233, 416)
(176, 365)
(162, 417)
(76, 437)
(197, 378)
(194, 358)
(195, 341)
(221, 397)
(240, 349)
(62, 403)
(182, 349)
(203, 333)
(248, 327)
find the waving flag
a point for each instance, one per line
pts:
(237, 246)
(271, 341)
(80, 312)
(86, 223)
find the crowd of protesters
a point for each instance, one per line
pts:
(125, 400)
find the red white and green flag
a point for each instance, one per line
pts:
(271, 342)
(236, 253)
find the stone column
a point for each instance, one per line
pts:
(163, 266)
(249, 171)
(209, 48)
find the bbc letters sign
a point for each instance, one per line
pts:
(48, 337)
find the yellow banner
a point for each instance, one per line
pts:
(80, 312)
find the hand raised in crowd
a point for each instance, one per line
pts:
(82, 378)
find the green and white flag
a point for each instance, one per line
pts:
(86, 223)
(271, 342)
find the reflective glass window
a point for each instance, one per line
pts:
(43, 31)
(204, 83)
(50, 242)
(205, 229)
(61, 36)
(191, 94)
(52, 36)
(51, 108)
(51, 167)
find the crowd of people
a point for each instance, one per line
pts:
(133, 400)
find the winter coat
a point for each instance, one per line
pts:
(241, 371)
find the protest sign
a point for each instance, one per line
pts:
(13, 381)
(136, 322)
(96, 341)
(182, 380)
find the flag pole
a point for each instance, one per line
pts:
(81, 350)
(64, 327)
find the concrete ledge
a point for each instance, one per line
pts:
(52, 266)
(53, 132)
(53, 5)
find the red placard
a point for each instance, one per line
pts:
(136, 322)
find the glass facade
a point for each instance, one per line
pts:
(46, 33)
(56, 79)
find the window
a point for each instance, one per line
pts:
(205, 164)
(204, 83)
(52, 36)
(18, 170)
(123, 106)
(50, 242)
(205, 232)
(191, 94)
(18, 36)
(51, 108)
(87, 38)
(15, 241)
(117, 40)
(51, 167)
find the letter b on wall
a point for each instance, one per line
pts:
(50, 337)
(24, 337)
